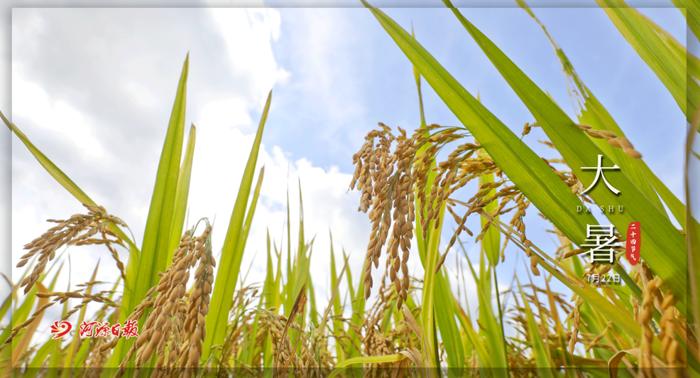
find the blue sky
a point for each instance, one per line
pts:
(93, 89)
(373, 80)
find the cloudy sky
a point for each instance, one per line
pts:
(93, 89)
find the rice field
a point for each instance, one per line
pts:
(419, 187)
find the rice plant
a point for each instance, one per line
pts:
(196, 317)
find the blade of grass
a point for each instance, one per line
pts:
(143, 270)
(367, 360)
(477, 339)
(447, 325)
(543, 360)
(416, 78)
(692, 238)
(491, 241)
(22, 345)
(159, 224)
(232, 251)
(182, 193)
(594, 114)
(357, 305)
(313, 309)
(73, 346)
(491, 332)
(520, 163)
(691, 11)
(527, 170)
(558, 269)
(337, 307)
(660, 51)
(50, 351)
(49, 166)
(61, 178)
(665, 252)
(21, 311)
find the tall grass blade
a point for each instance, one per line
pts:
(357, 305)
(182, 193)
(491, 241)
(232, 251)
(442, 294)
(156, 237)
(21, 346)
(693, 236)
(594, 114)
(665, 252)
(527, 170)
(60, 177)
(338, 328)
(143, 269)
(49, 166)
(21, 313)
(543, 360)
(660, 51)
(72, 347)
(691, 11)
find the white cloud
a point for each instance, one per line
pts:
(103, 121)
(260, 27)
(57, 119)
(326, 49)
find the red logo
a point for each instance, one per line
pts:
(93, 329)
(634, 242)
(60, 329)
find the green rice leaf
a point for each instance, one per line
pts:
(357, 305)
(491, 332)
(21, 312)
(182, 193)
(337, 307)
(594, 114)
(21, 345)
(660, 51)
(543, 360)
(691, 11)
(368, 360)
(60, 177)
(442, 294)
(491, 241)
(232, 251)
(49, 166)
(527, 170)
(156, 237)
(143, 269)
(665, 251)
(270, 291)
(73, 346)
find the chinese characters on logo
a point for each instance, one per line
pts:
(94, 329)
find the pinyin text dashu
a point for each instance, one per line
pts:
(609, 209)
